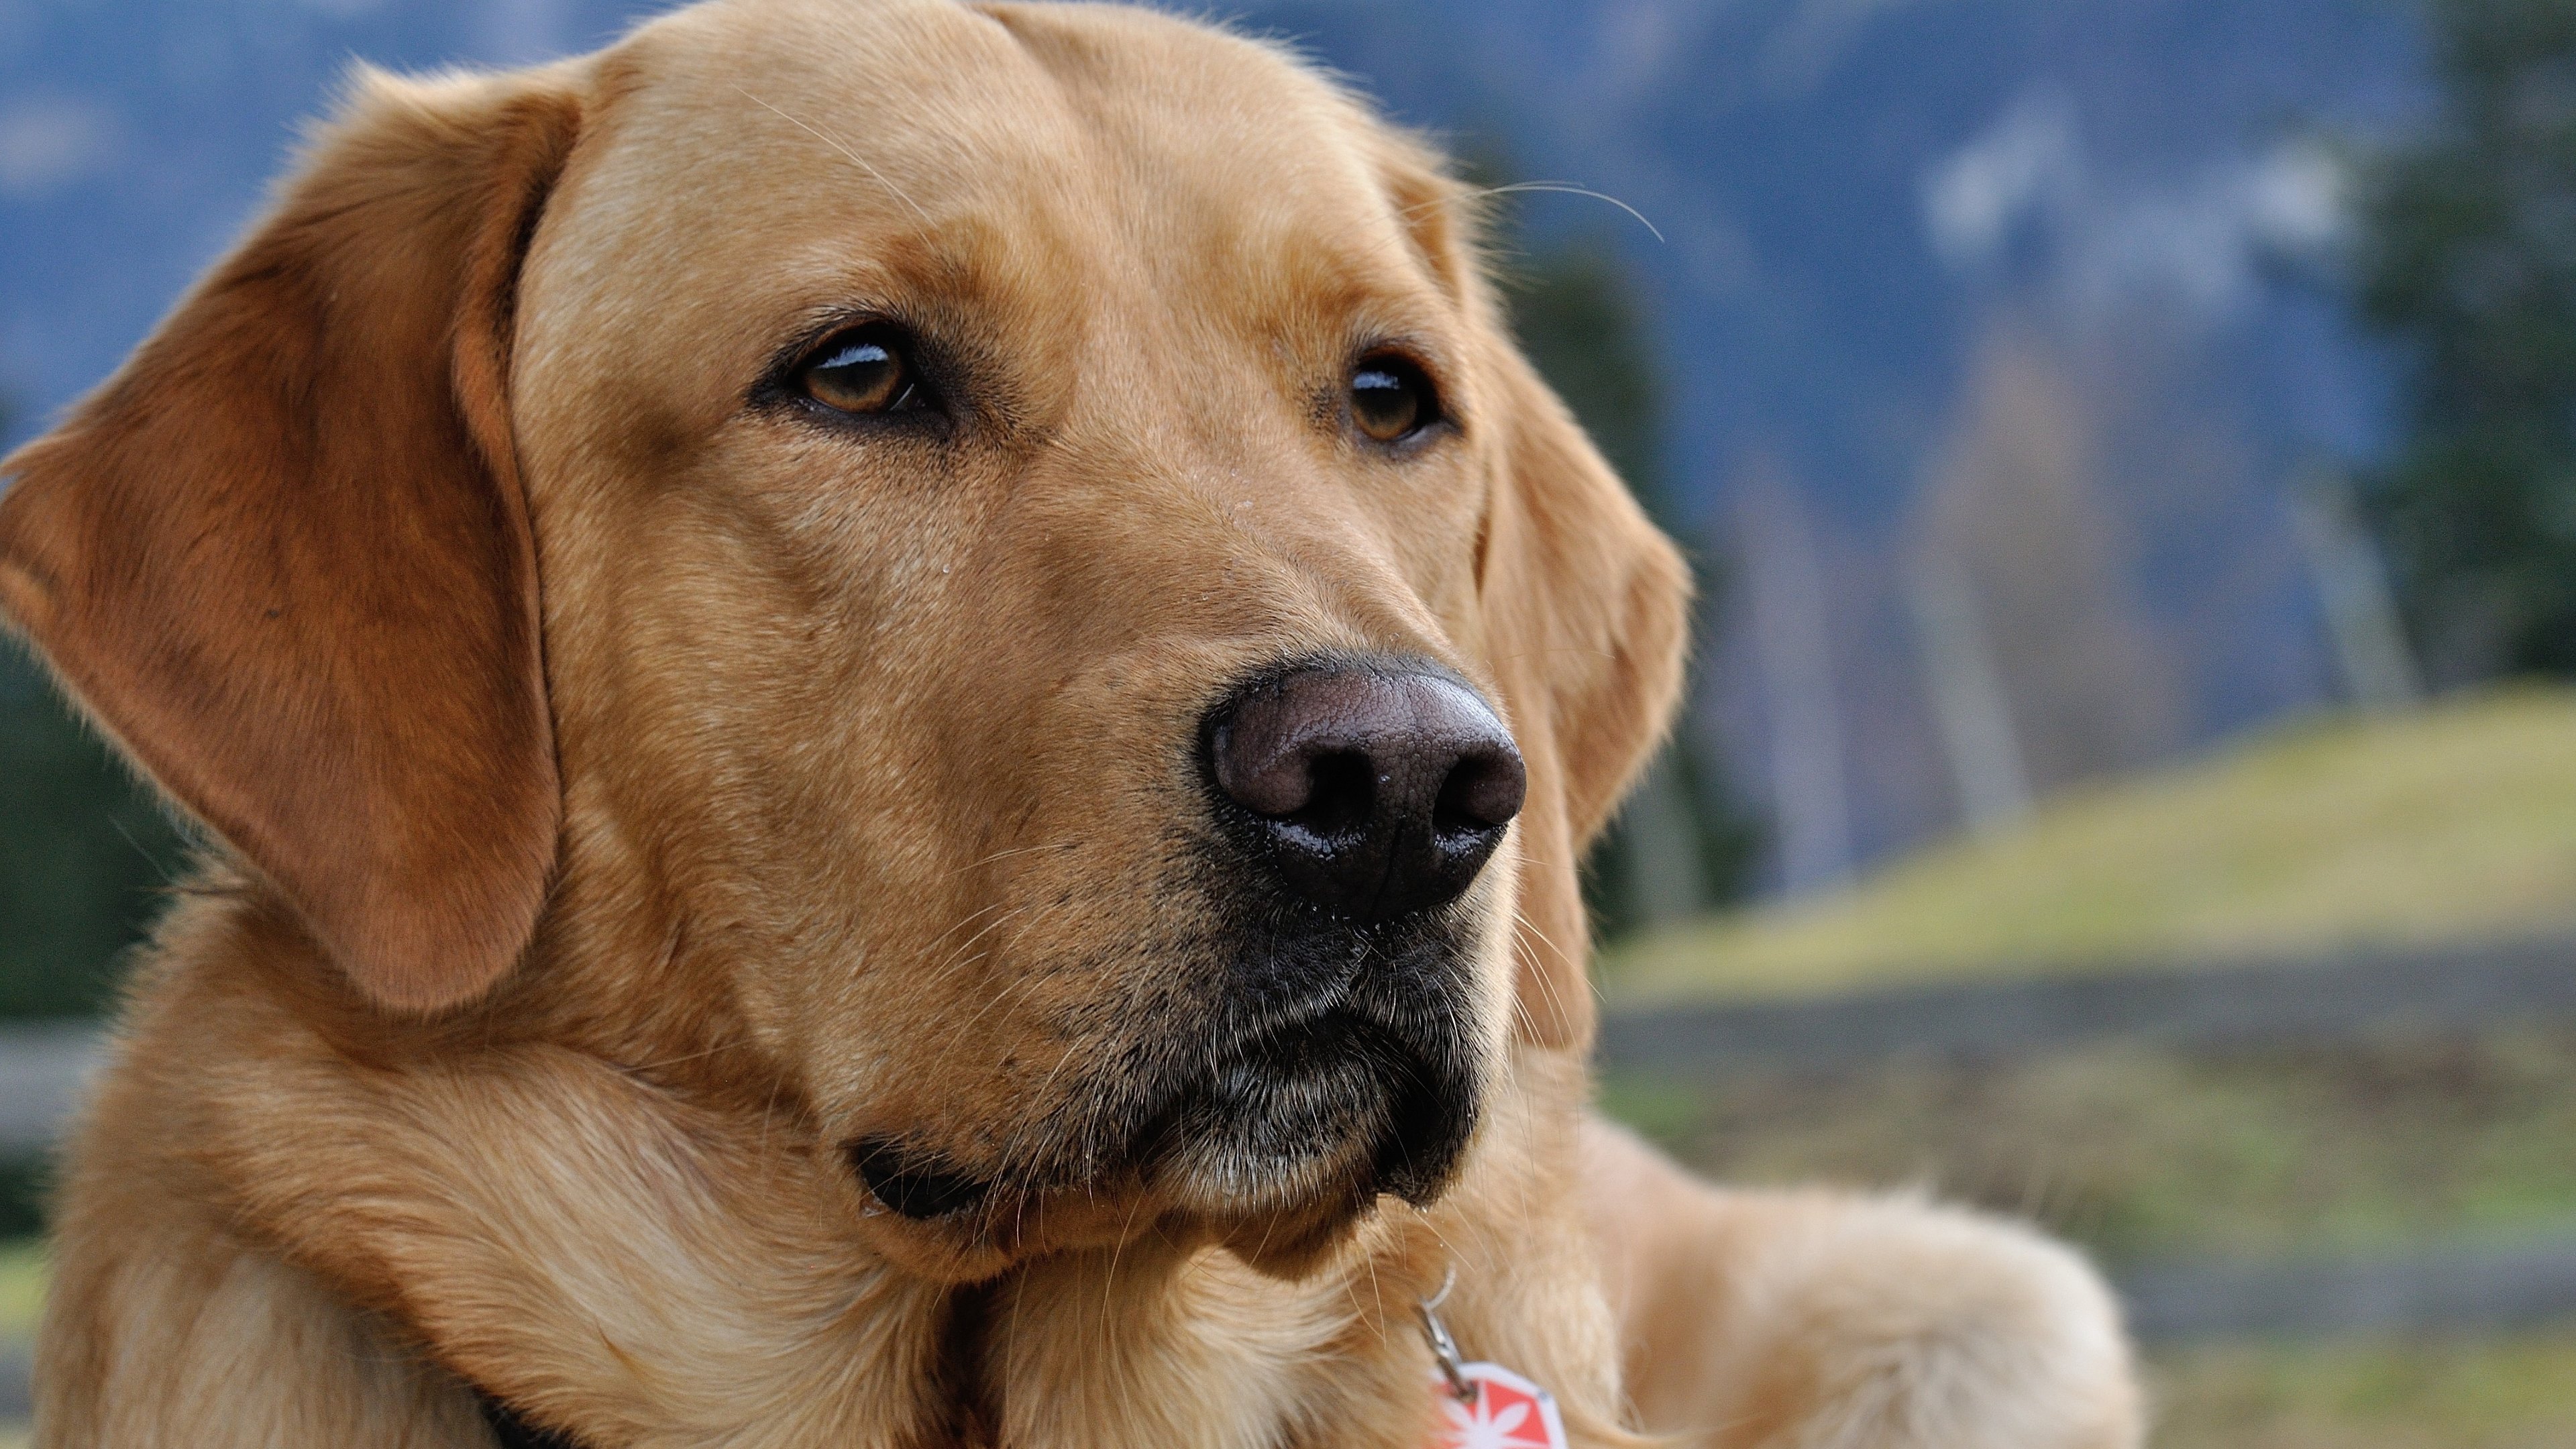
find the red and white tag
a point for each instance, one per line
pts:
(1508, 1412)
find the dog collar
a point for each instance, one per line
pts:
(1483, 1405)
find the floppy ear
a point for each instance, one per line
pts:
(283, 559)
(1586, 616)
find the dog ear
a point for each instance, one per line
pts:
(1586, 616)
(283, 559)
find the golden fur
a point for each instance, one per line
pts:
(624, 795)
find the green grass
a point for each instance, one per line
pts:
(2135, 1154)
(2455, 822)
(22, 1287)
(2353, 1149)
(2507, 1392)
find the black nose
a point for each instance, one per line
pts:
(1375, 792)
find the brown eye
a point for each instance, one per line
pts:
(863, 370)
(1391, 400)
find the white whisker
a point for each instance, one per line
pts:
(1564, 188)
(854, 157)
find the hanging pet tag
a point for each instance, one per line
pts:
(1484, 1405)
(1506, 1412)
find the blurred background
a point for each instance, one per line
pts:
(2129, 449)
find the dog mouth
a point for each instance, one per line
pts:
(1330, 1105)
(1326, 1111)
(912, 1184)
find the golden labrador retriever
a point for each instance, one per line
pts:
(895, 703)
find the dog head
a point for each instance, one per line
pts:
(1005, 556)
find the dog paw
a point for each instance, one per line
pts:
(1892, 1323)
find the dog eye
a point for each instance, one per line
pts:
(863, 370)
(1391, 399)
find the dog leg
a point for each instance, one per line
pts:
(1818, 1320)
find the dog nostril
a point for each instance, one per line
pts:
(1342, 784)
(1483, 792)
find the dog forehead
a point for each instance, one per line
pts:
(757, 156)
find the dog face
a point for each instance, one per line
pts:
(1009, 546)
(919, 660)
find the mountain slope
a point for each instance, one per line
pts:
(2456, 822)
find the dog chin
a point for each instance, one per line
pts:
(1312, 1123)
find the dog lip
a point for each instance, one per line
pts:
(1325, 1023)
(1256, 1030)
(900, 1179)
(1405, 1141)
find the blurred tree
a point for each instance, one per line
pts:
(1575, 312)
(2467, 258)
(2014, 525)
(1685, 841)
(83, 851)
